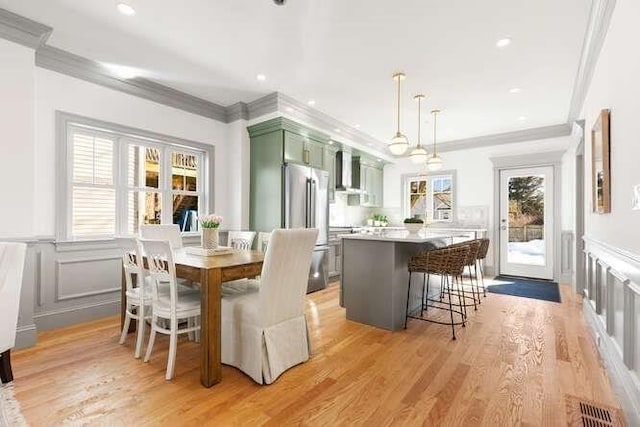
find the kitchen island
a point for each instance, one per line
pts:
(375, 276)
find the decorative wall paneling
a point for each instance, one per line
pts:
(612, 307)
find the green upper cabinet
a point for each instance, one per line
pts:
(370, 182)
(304, 150)
(330, 166)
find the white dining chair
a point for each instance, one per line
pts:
(170, 232)
(138, 298)
(263, 240)
(12, 257)
(172, 305)
(264, 331)
(241, 239)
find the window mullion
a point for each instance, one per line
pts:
(120, 175)
(165, 187)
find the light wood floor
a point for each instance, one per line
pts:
(512, 365)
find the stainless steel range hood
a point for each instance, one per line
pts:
(344, 173)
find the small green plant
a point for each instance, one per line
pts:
(413, 221)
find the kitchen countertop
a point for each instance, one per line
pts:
(397, 237)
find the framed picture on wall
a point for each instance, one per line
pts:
(600, 150)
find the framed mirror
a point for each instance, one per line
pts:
(601, 178)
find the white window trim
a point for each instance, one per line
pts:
(407, 178)
(66, 121)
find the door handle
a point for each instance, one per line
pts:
(307, 218)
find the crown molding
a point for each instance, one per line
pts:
(545, 132)
(599, 20)
(21, 30)
(64, 62)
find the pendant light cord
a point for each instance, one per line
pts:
(435, 121)
(399, 78)
(419, 119)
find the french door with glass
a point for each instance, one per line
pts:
(526, 222)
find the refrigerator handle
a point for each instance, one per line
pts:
(314, 194)
(307, 204)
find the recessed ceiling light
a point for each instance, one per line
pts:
(504, 42)
(337, 130)
(330, 142)
(522, 118)
(311, 102)
(379, 160)
(356, 126)
(289, 109)
(261, 77)
(515, 90)
(126, 8)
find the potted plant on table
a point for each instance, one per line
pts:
(210, 225)
(413, 225)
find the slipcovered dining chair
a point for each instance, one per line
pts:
(172, 305)
(12, 256)
(170, 232)
(264, 330)
(241, 239)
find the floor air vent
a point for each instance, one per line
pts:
(583, 413)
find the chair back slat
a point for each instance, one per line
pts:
(162, 267)
(285, 274)
(131, 260)
(241, 239)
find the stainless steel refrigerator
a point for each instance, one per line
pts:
(306, 205)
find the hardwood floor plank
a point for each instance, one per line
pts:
(513, 364)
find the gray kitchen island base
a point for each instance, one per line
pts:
(375, 277)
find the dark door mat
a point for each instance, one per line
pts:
(527, 288)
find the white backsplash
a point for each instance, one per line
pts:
(342, 214)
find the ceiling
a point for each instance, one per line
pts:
(342, 54)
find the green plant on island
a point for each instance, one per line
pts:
(413, 221)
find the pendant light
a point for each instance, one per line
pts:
(399, 143)
(435, 162)
(419, 154)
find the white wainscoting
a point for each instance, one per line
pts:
(69, 282)
(612, 308)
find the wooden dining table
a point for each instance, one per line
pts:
(210, 272)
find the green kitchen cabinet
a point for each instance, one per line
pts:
(368, 177)
(274, 143)
(330, 166)
(304, 150)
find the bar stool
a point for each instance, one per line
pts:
(471, 261)
(482, 254)
(449, 265)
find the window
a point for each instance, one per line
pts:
(429, 197)
(116, 181)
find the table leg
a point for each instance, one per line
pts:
(210, 353)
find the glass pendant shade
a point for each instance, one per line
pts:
(434, 163)
(399, 144)
(418, 155)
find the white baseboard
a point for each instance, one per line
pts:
(76, 314)
(626, 387)
(26, 336)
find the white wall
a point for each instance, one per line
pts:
(56, 91)
(474, 175)
(616, 85)
(16, 140)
